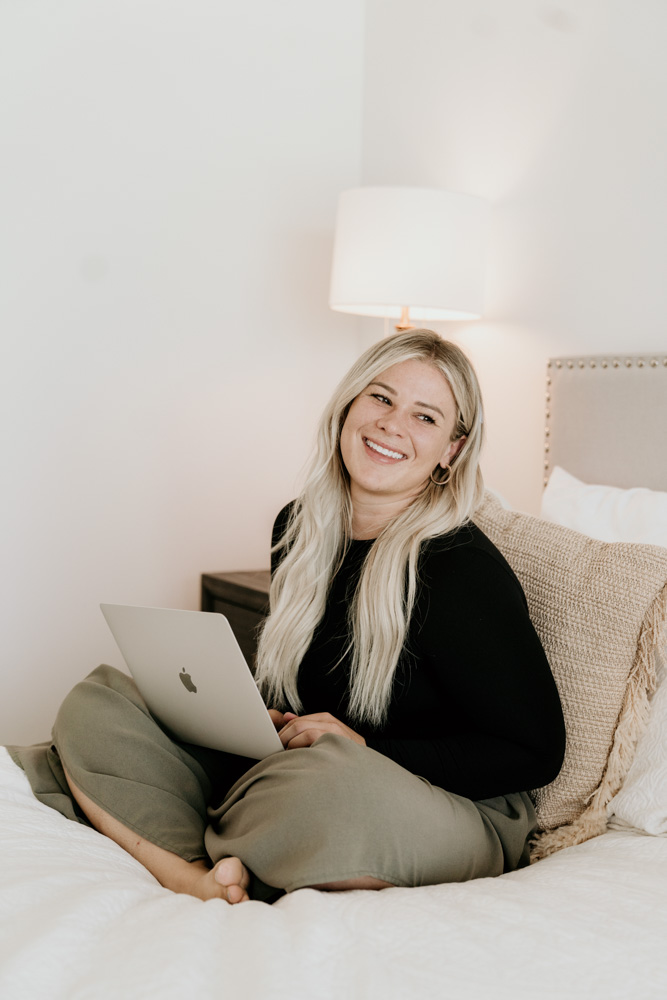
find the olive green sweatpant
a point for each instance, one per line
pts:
(328, 812)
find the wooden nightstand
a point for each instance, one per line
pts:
(243, 598)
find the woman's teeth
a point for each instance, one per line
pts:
(383, 451)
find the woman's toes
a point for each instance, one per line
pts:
(233, 875)
(235, 894)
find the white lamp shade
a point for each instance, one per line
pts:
(417, 247)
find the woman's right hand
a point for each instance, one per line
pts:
(280, 719)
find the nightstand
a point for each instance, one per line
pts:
(243, 598)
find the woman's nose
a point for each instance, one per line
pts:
(391, 422)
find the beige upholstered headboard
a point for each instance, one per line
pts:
(607, 419)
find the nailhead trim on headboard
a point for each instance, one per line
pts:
(644, 361)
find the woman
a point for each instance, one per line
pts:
(410, 689)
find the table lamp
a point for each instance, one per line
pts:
(409, 254)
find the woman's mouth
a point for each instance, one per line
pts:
(378, 449)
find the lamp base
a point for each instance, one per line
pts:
(404, 322)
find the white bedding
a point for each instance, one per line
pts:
(81, 919)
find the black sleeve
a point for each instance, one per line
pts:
(500, 724)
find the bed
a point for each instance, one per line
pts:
(81, 919)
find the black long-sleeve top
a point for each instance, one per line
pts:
(474, 707)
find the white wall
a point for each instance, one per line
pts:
(555, 111)
(169, 176)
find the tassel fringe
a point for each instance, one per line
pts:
(632, 722)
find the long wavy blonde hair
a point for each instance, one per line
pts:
(319, 531)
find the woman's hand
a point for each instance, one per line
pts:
(304, 730)
(278, 718)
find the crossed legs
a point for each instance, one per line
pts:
(332, 816)
(228, 879)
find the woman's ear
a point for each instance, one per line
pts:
(453, 448)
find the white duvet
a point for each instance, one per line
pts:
(81, 919)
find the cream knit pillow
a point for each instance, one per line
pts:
(599, 609)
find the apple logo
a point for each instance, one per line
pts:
(187, 681)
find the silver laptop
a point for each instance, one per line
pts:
(194, 678)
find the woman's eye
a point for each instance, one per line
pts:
(380, 397)
(424, 417)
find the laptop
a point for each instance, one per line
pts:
(194, 678)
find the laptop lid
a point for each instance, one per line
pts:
(194, 678)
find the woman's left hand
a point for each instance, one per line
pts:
(304, 730)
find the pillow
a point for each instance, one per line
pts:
(635, 515)
(642, 801)
(605, 512)
(599, 610)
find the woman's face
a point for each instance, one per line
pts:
(397, 431)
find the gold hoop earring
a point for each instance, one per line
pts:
(447, 469)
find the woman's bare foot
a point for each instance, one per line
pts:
(231, 875)
(227, 880)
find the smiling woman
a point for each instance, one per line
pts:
(390, 424)
(420, 395)
(402, 670)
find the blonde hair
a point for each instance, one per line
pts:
(319, 531)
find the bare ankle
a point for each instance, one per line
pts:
(195, 878)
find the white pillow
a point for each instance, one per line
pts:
(605, 512)
(615, 515)
(642, 800)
